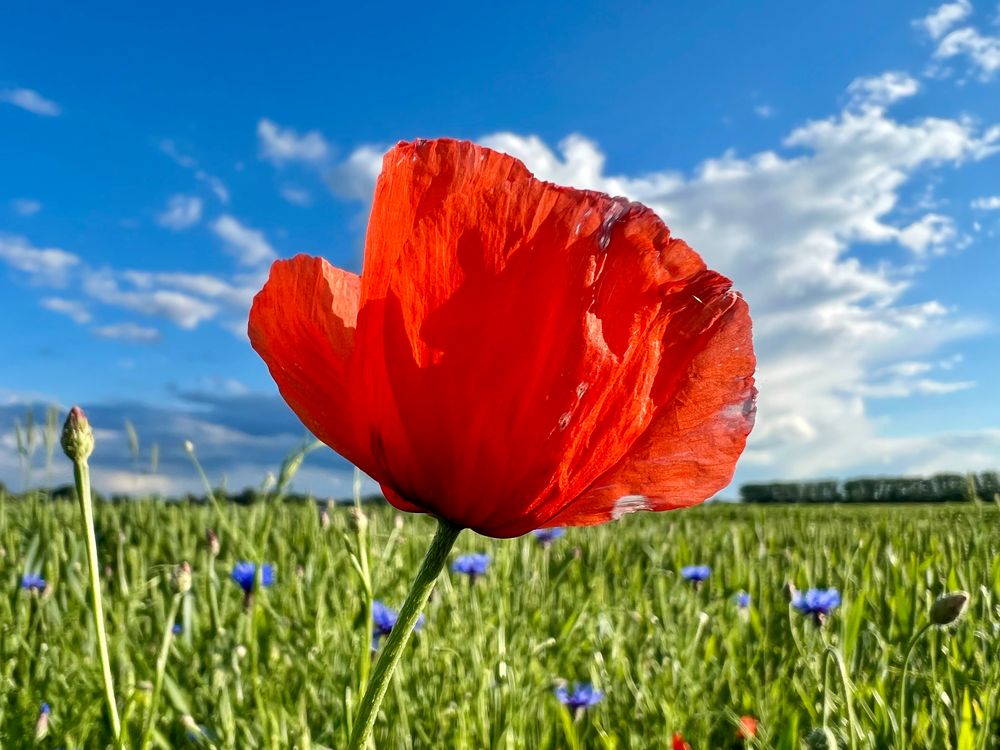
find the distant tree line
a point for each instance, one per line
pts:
(940, 488)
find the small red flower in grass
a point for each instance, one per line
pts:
(679, 743)
(747, 728)
(515, 354)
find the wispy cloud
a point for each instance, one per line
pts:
(944, 17)
(49, 266)
(296, 196)
(30, 100)
(982, 51)
(248, 246)
(182, 212)
(190, 163)
(910, 378)
(883, 90)
(72, 309)
(987, 203)
(25, 206)
(282, 145)
(185, 299)
(130, 332)
(185, 310)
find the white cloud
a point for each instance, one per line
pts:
(70, 308)
(248, 246)
(911, 378)
(764, 111)
(904, 388)
(185, 299)
(987, 203)
(883, 90)
(49, 266)
(932, 232)
(908, 369)
(131, 332)
(281, 145)
(26, 206)
(235, 296)
(183, 309)
(981, 50)
(182, 212)
(944, 17)
(123, 482)
(955, 40)
(354, 178)
(31, 101)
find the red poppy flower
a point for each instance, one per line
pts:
(515, 354)
(679, 743)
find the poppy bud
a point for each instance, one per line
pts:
(189, 447)
(790, 591)
(949, 607)
(212, 539)
(77, 436)
(181, 578)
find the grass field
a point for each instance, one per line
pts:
(604, 605)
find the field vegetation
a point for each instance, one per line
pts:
(281, 667)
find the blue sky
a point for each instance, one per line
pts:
(837, 161)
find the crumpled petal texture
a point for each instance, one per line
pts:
(515, 354)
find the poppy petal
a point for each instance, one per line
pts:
(302, 324)
(518, 338)
(689, 450)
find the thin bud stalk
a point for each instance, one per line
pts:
(78, 442)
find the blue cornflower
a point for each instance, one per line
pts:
(583, 695)
(45, 709)
(32, 582)
(817, 602)
(695, 573)
(384, 620)
(545, 537)
(245, 572)
(473, 565)
(743, 600)
(177, 629)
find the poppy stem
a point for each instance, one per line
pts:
(392, 649)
